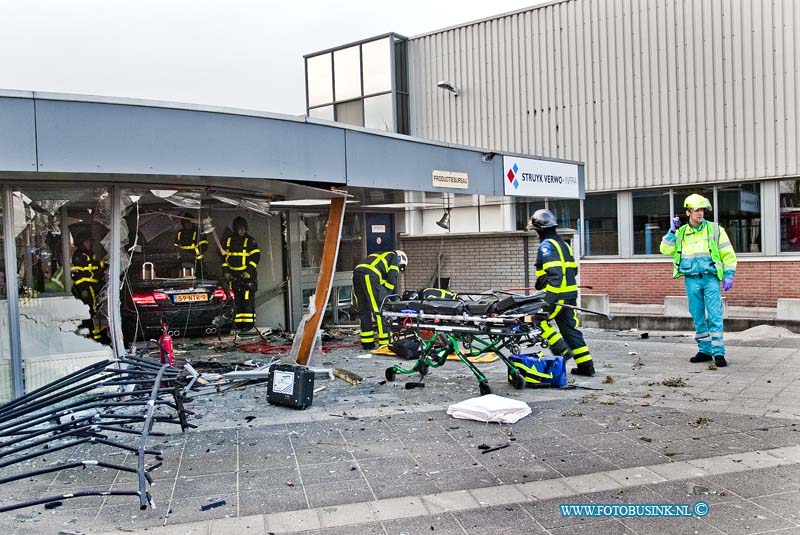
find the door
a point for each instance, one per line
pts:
(380, 232)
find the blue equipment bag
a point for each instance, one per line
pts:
(540, 370)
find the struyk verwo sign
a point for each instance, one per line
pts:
(528, 177)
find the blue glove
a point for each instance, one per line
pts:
(727, 283)
(674, 223)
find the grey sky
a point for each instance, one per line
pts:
(237, 53)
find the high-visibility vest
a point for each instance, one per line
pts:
(722, 254)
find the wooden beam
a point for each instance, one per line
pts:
(330, 252)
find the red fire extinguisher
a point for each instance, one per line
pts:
(165, 344)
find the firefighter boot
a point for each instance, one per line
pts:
(701, 357)
(584, 368)
(720, 361)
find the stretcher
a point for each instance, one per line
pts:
(468, 327)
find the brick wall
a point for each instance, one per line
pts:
(756, 283)
(478, 262)
(473, 262)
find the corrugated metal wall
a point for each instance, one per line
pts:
(645, 92)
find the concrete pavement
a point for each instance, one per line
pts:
(376, 458)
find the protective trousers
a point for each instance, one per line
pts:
(244, 303)
(705, 300)
(87, 293)
(369, 294)
(566, 340)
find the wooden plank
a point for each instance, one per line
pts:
(330, 251)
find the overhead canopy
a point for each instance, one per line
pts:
(53, 137)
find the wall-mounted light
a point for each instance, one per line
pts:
(444, 222)
(488, 157)
(448, 86)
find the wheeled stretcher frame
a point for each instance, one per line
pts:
(467, 329)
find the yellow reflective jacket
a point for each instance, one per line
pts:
(696, 251)
(385, 265)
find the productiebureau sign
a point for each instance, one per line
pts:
(450, 179)
(526, 177)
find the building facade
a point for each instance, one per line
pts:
(659, 99)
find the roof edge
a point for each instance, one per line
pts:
(486, 19)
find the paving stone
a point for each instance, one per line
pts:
(677, 470)
(292, 521)
(338, 493)
(373, 528)
(463, 478)
(345, 515)
(753, 483)
(672, 526)
(442, 524)
(261, 480)
(548, 513)
(451, 501)
(328, 472)
(273, 499)
(588, 483)
(585, 463)
(692, 490)
(492, 496)
(786, 505)
(741, 517)
(501, 519)
(188, 509)
(394, 508)
(188, 487)
(243, 525)
(634, 476)
(126, 516)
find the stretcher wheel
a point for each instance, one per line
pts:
(484, 388)
(422, 368)
(514, 348)
(390, 374)
(517, 381)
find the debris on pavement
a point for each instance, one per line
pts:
(674, 382)
(345, 375)
(212, 505)
(489, 450)
(700, 421)
(608, 380)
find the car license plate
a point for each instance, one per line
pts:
(191, 298)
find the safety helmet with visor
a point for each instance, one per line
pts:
(543, 219)
(402, 260)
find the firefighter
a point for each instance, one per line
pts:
(191, 245)
(241, 270)
(703, 254)
(87, 280)
(556, 272)
(373, 280)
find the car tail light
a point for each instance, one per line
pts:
(149, 299)
(221, 294)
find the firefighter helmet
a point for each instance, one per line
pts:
(402, 259)
(239, 222)
(543, 219)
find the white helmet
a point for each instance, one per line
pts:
(402, 259)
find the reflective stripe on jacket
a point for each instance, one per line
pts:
(385, 265)
(190, 243)
(556, 270)
(696, 251)
(86, 268)
(241, 253)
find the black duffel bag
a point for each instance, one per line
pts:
(408, 348)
